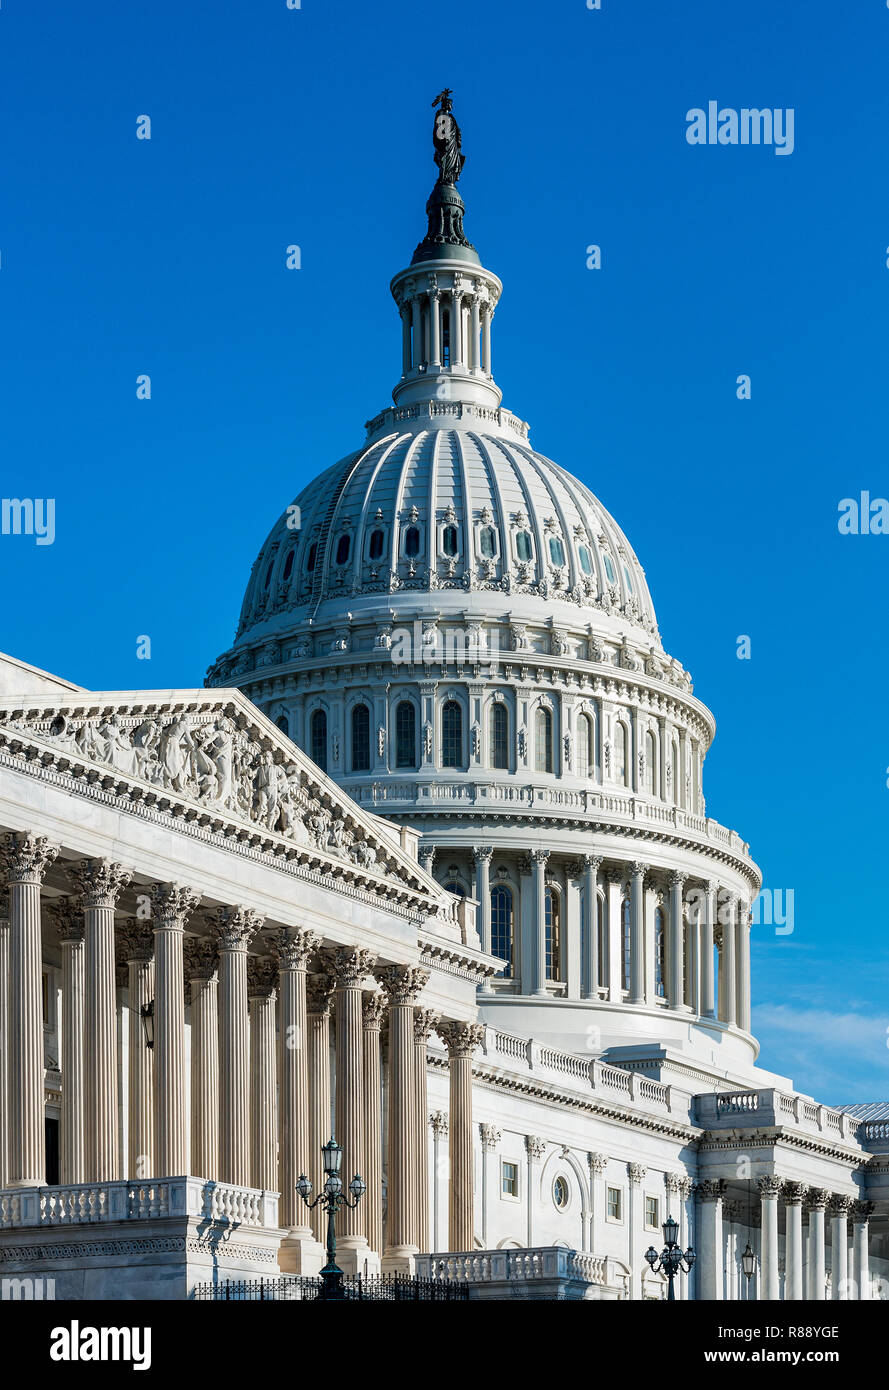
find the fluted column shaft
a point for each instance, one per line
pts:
(793, 1241)
(235, 929)
(539, 861)
(637, 925)
(100, 883)
(172, 904)
(205, 1069)
(294, 948)
(372, 1171)
(839, 1252)
(403, 985)
(817, 1266)
(708, 922)
(69, 918)
(590, 964)
(743, 966)
(861, 1211)
(424, 1025)
(5, 1035)
(320, 1122)
(434, 331)
(263, 1086)
(350, 969)
(710, 1271)
(461, 1040)
(137, 943)
(27, 859)
(486, 340)
(405, 339)
(417, 357)
(729, 964)
(473, 362)
(769, 1188)
(676, 948)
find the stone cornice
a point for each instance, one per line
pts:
(714, 1141)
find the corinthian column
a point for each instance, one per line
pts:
(171, 905)
(817, 1200)
(861, 1214)
(482, 854)
(708, 925)
(425, 1021)
(137, 941)
(676, 940)
(743, 966)
(793, 1240)
(69, 918)
(201, 963)
(294, 947)
(372, 1017)
(235, 929)
(539, 861)
(461, 1040)
(318, 992)
(261, 996)
(403, 984)
(592, 863)
(637, 934)
(350, 968)
(100, 883)
(839, 1247)
(27, 859)
(769, 1188)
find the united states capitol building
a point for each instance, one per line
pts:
(427, 861)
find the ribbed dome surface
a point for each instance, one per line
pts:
(444, 506)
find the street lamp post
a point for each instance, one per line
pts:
(332, 1198)
(671, 1259)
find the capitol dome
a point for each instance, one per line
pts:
(456, 631)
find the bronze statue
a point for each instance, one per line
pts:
(446, 139)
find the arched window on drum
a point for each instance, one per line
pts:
(553, 935)
(543, 739)
(318, 739)
(498, 727)
(360, 739)
(660, 946)
(501, 927)
(621, 754)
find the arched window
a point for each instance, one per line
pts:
(405, 734)
(625, 943)
(487, 542)
(676, 772)
(586, 749)
(602, 929)
(375, 549)
(586, 563)
(268, 574)
(454, 885)
(556, 551)
(553, 935)
(629, 578)
(412, 542)
(451, 735)
(543, 740)
(318, 733)
(523, 545)
(498, 724)
(311, 557)
(283, 723)
(659, 947)
(361, 739)
(501, 927)
(621, 761)
(449, 540)
(650, 764)
(343, 546)
(288, 565)
(609, 568)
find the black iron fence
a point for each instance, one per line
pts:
(384, 1288)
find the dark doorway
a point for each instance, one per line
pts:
(52, 1152)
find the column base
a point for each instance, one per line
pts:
(400, 1259)
(301, 1253)
(354, 1256)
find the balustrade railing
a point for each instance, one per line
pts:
(152, 1199)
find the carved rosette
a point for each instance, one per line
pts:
(425, 1021)
(172, 904)
(769, 1186)
(403, 983)
(262, 977)
(535, 1147)
(350, 966)
(490, 1136)
(236, 927)
(373, 1006)
(636, 1173)
(710, 1189)
(461, 1039)
(27, 857)
(597, 1163)
(68, 917)
(100, 882)
(294, 947)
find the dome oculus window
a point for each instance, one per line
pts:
(343, 546)
(449, 541)
(556, 551)
(411, 542)
(375, 549)
(586, 563)
(523, 546)
(561, 1194)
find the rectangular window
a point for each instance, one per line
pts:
(509, 1180)
(652, 1213)
(614, 1204)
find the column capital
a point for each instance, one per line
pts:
(731, 1211)
(535, 1147)
(27, 857)
(677, 878)
(597, 1163)
(403, 983)
(136, 939)
(172, 904)
(639, 869)
(839, 1205)
(349, 966)
(710, 1189)
(438, 1121)
(293, 946)
(861, 1211)
(373, 1007)
(319, 989)
(235, 927)
(540, 857)
(262, 977)
(426, 856)
(461, 1039)
(68, 916)
(490, 1136)
(769, 1186)
(636, 1173)
(673, 1183)
(483, 853)
(425, 1021)
(794, 1193)
(100, 882)
(592, 861)
(201, 958)
(817, 1198)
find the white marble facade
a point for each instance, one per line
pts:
(429, 860)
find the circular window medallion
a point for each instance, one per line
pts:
(560, 1193)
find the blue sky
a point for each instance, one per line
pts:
(273, 126)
